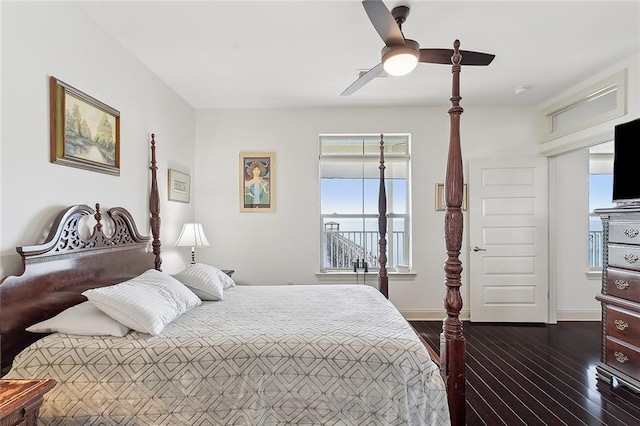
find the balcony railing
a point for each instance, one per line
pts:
(342, 248)
(595, 249)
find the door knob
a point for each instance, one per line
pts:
(476, 248)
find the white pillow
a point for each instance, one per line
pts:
(83, 320)
(146, 303)
(206, 281)
(227, 281)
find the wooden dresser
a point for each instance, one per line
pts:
(620, 352)
(20, 401)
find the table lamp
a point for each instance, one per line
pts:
(192, 235)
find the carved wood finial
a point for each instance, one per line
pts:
(456, 59)
(98, 217)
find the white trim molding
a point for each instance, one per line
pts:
(594, 275)
(580, 315)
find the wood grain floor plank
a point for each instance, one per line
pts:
(522, 374)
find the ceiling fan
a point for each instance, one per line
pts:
(401, 55)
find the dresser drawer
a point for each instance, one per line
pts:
(623, 357)
(624, 256)
(624, 232)
(623, 324)
(623, 284)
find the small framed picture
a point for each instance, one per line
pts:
(85, 133)
(257, 182)
(179, 186)
(441, 203)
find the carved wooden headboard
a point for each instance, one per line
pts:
(57, 271)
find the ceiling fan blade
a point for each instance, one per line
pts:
(364, 79)
(383, 22)
(443, 56)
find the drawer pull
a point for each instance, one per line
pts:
(620, 357)
(621, 325)
(631, 258)
(631, 233)
(621, 284)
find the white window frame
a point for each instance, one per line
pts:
(603, 165)
(390, 215)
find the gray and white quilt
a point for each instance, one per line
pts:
(265, 355)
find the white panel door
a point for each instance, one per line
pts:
(508, 236)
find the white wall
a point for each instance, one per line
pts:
(575, 292)
(283, 246)
(40, 40)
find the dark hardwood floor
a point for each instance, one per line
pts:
(537, 375)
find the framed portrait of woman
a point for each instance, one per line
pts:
(257, 183)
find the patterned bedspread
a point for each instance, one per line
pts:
(308, 355)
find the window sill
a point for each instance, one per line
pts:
(594, 274)
(348, 276)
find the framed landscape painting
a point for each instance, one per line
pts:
(85, 132)
(257, 182)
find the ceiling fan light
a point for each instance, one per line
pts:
(401, 60)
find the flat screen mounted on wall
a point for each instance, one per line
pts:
(626, 163)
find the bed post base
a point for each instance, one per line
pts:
(452, 342)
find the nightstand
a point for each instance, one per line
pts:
(228, 271)
(20, 401)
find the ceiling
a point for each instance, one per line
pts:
(289, 54)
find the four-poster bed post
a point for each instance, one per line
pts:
(154, 206)
(452, 342)
(383, 279)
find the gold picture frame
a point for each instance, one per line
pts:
(441, 202)
(85, 133)
(257, 182)
(179, 186)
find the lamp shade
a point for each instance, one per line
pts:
(192, 235)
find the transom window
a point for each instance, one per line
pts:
(349, 186)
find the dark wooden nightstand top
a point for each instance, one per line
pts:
(21, 399)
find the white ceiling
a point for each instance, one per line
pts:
(280, 54)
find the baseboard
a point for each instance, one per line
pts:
(430, 315)
(580, 315)
(439, 315)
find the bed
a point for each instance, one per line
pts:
(249, 369)
(360, 364)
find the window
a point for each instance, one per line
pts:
(595, 104)
(600, 196)
(349, 185)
